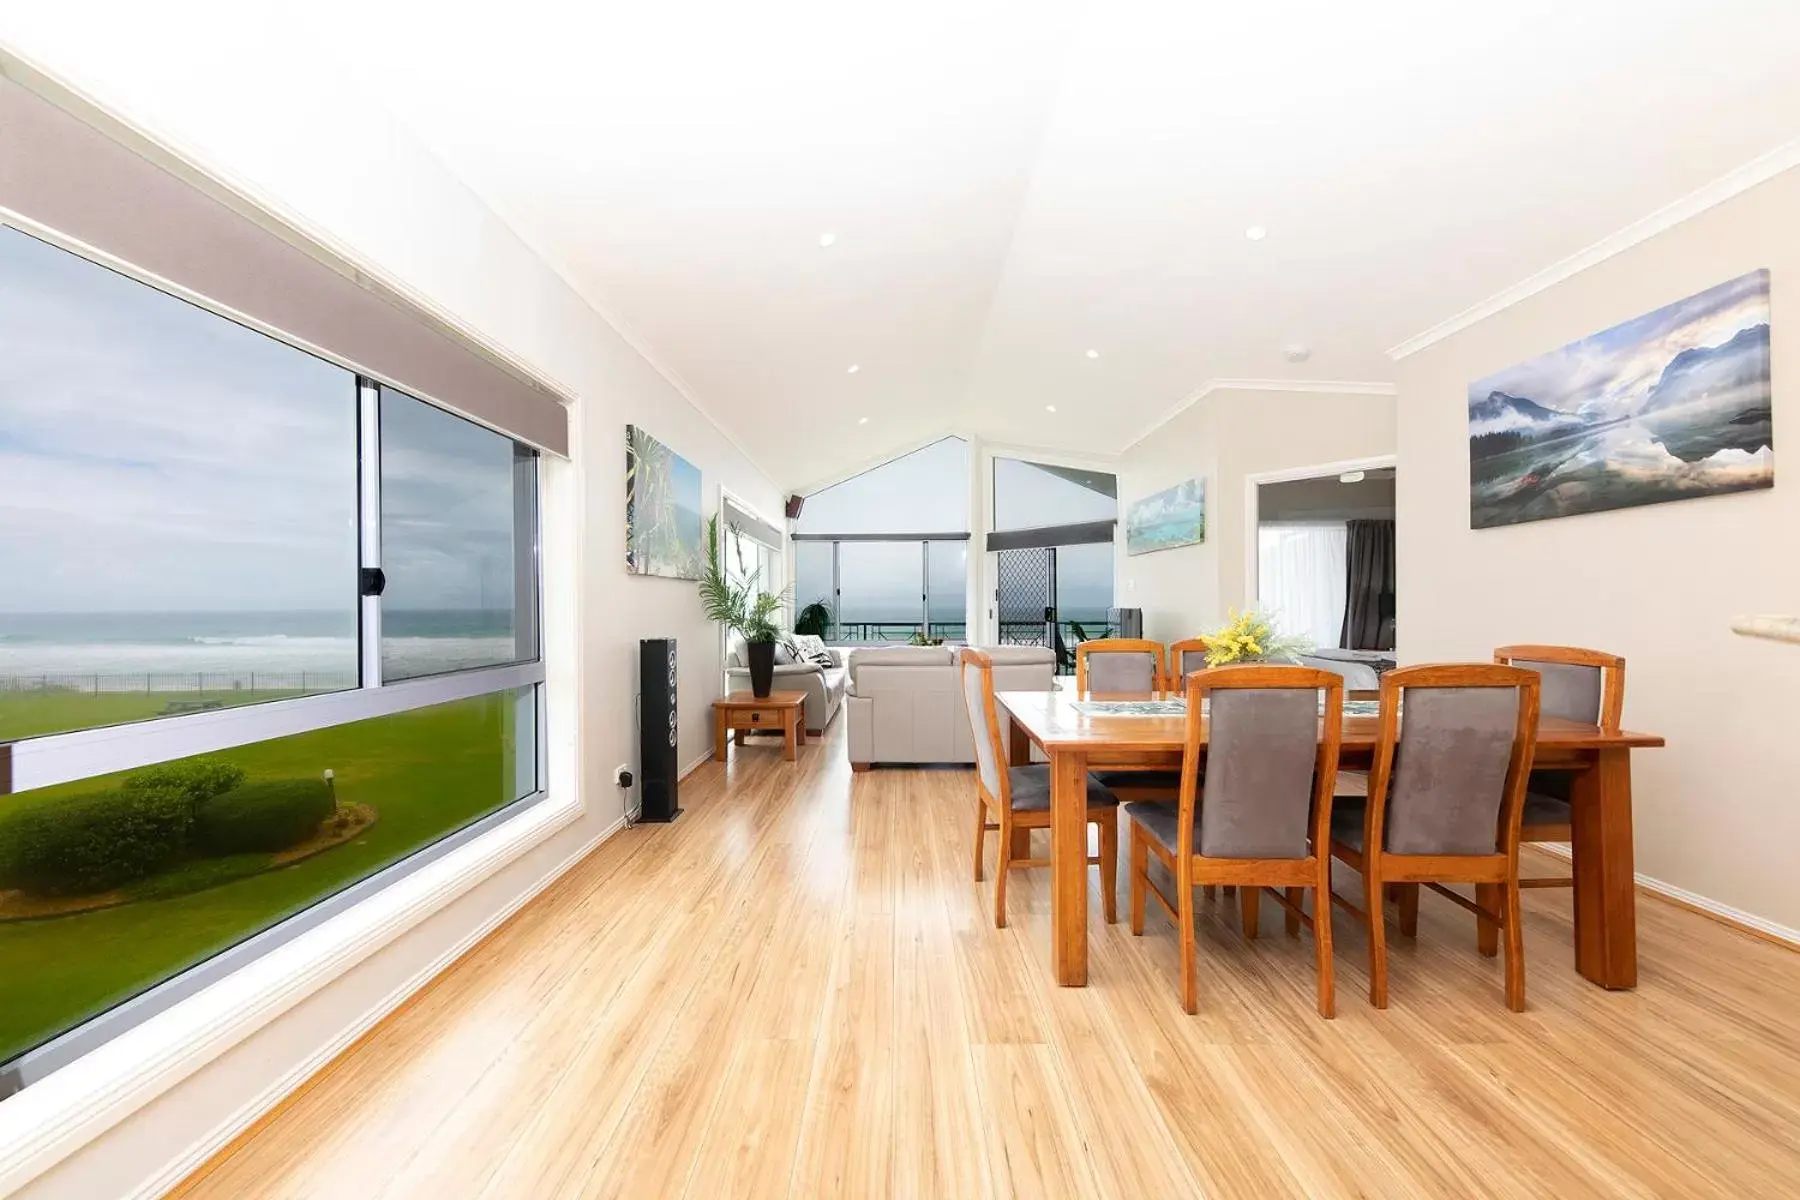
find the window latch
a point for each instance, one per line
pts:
(371, 581)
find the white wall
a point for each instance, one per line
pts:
(302, 141)
(1715, 811)
(1227, 436)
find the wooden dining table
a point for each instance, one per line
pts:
(1076, 742)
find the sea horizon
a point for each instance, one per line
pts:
(236, 648)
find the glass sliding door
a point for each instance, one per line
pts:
(1053, 546)
(881, 591)
(946, 590)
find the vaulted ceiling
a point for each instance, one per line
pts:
(1008, 187)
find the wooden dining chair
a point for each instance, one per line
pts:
(1019, 796)
(1125, 666)
(1578, 685)
(1446, 796)
(1133, 667)
(1182, 659)
(1262, 818)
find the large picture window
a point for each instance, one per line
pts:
(217, 725)
(887, 550)
(178, 500)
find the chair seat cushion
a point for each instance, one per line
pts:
(1163, 780)
(1031, 789)
(1545, 810)
(1161, 821)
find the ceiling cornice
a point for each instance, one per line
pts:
(1337, 387)
(1732, 183)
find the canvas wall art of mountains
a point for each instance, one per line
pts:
(1671, 405)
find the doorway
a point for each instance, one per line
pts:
(1322, 562)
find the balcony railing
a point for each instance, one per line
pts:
(1068, 635)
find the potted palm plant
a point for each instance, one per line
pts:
(742, 608)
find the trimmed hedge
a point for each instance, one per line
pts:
(262, 817)
(200, 778)
(97, 842)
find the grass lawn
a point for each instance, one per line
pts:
(426, 773)
(36, 713)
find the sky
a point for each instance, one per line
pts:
(157, 457)
(927, 491)
(1609, 374)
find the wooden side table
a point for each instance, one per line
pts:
(744, 713)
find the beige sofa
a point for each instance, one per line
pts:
(824, 686)
(905, 703)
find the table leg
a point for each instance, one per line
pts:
(1018, 754)
(788, 741)
(719, 733)
(800, 726)
(1605, 873)
(1068, 867)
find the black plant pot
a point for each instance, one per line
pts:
(762, 668)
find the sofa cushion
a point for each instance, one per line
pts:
(901, 656)
(1019, 655)
(898, 656)
(810, 647)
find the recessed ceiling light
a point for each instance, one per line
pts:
(827, 240)
(855, 367)
(1049, 408)
(1352, 476)
(862, 420)
(1294, 352)
(1256, 233)
(1093, 354)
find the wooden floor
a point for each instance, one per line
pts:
(796, 990)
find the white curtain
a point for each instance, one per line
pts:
(1302, 578)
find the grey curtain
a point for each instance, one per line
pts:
(1369, 611)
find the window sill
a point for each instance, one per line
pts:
(55, 1117)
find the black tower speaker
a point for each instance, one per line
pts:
(660, 774)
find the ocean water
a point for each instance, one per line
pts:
(161, 651)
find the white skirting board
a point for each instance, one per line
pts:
(1724, 912)
(193, 1157)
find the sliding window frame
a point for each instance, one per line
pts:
(31, 763)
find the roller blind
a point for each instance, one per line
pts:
(85, 184)
(1084, 533)
(750, 525)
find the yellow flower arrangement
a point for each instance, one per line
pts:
(1250, 637)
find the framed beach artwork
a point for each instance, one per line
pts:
(664, 532)
(1672, 405)
(1173, 517)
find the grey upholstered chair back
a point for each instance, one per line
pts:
(1449, 773)
(1570, 690)
(1121, 671)
(1187, 662)
(1262, 747)
(976, 684)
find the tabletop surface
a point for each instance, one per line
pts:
(772, 700)
(1052, 719)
